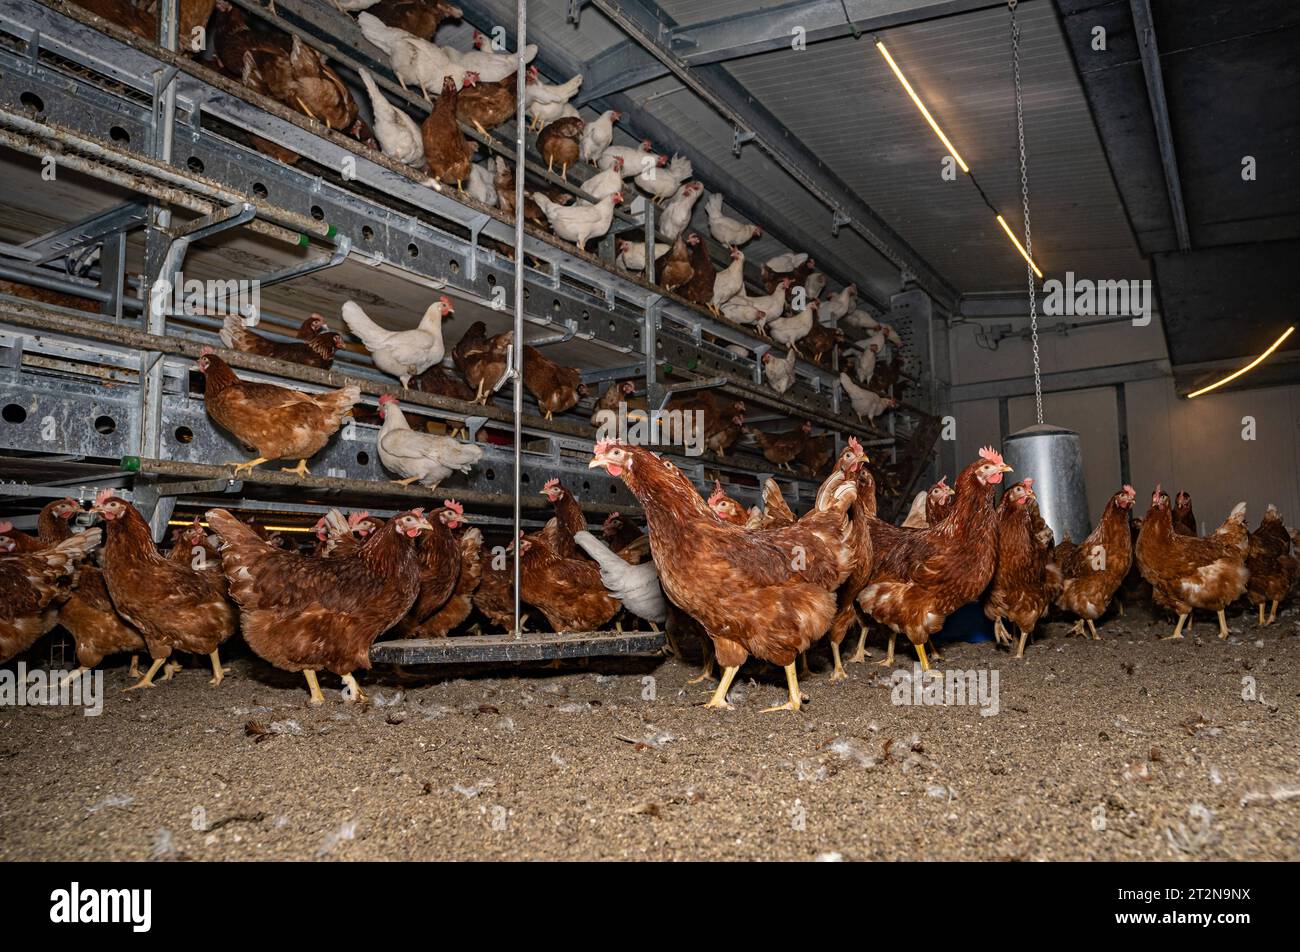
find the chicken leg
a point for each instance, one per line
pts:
(218, 672)
(1223, 625)
(248, 466)
(407, 481)
(147, 680)
(860, 656)
(170, 670)
(839, 674)
(299, 470)
(792, 682)
(1262, 622)
(888, 659)
(706, 672)
(920, 653)
(72, 676)
(1078, 628)
(1178, 629)
(1272, 615)
(1024, 636)
(719, 699)
(134, 670)
(1093, 629)
(314, 686)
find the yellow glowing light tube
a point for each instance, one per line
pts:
(1019, 247)
(1246, 369)
(921, 106)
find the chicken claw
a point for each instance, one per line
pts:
(839, 674)
(314, 686)
(1000, 633)
(1077, 629)
(888, 660)
(147, 680)
(170, 670)
(218, 672)
(354, 692)
(1178, 630)
(706, 673)
(299, 470)
(248, 466)
(796, 697)
(719, 699)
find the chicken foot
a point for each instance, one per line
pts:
(1272, 615)
(72, 676)
(1078, 628)
(313, 685)
(839, 674)
(920, 653)
(134, 670)
(1178, 629)
(1000, 633)
(356, 694)
(1223, 625)
(706, 673)
(147, 680)
(1024, 636)
(888, 660)
(860, 656)
(299, 470)
(218, 672)
(170, 670)
(792, 682)
(719, 699)
(248, 466)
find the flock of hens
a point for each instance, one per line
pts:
(764, 583)
(477, 88)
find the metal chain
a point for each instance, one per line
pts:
(1024, 197)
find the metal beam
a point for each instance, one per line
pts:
(627, 64)
(1066, 380)
(733, 102)
(1144, 27)
(776, 27)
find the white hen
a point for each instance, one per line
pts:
(779, 371)
(604, 183)
(404, 354)
(491, 67)
(579, 222)
(867, 404)
(631, 254)
(676, 212)
(662, 180)
(597, 135)
(482, 185)
(546, 102)
(790, 330)
(728, 230)
(398, 134)
(636, 586)
(742, 310)
(786, 262)
(633, 159)
(425, 458)
(729, 282)
(839, 304)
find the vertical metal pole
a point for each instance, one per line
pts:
(521, 39)
(650, 269)
(157, 256)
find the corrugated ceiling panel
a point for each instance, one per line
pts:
(842, 100)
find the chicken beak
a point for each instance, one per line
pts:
(423, 523)
(597, 461)
(1005, 469)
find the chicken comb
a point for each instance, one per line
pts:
(604, 446)
(1029, 482)
(418, 511)
(992, 455)
(454, 506)
(103, 496)
(387, 398)
(855, 446)
(717, 495)
(943, 481)
(553, 483)
(1130, 491)
(6, 527)
(444, 300)
(355, 517)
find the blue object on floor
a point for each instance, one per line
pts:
(966, 624)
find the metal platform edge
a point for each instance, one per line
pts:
(530, 647)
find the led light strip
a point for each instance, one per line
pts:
(1246, 369)
(953, 151)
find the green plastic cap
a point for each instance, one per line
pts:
(130, 464)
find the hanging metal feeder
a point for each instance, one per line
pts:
(1053, 457)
